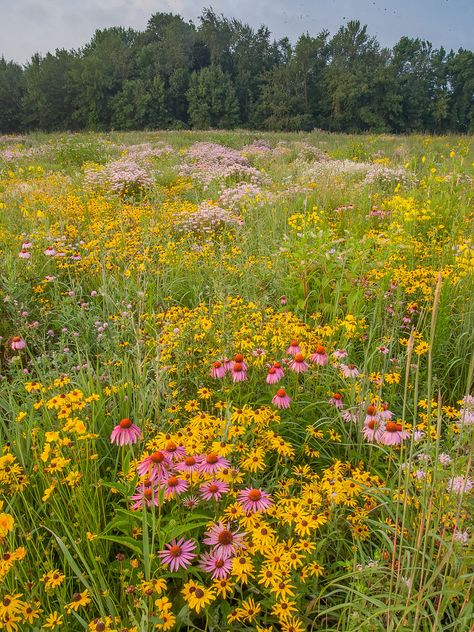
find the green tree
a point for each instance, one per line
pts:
(139, 104)
(12, 88)
(212, 99)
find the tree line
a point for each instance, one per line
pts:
(222, 73)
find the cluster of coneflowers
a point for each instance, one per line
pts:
(378, 425)
(168, 473)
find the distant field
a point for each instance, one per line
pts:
(235, 382)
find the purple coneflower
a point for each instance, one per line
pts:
(18, 343)
(174, 452)
(178, 554)
(218, 370)
(393, 434)
(225, 541)
(188, 465)
(281, 399)
(339, 354)
(156, 465)
(214, 563)
(319, 356)
(211, 463)
(372, 429)
(125, 432)
(253, 500)
(349, 370)
(174, 485)
(24, 254)
(146, 493)
(294, 348)
(272, 376)
(299, 364)
(336, 400)
(213, 490)
(190, 502)
(50, 251)
(239, 374)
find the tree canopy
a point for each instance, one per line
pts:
(222, 73)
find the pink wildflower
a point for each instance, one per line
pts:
(217, 370)
(225, 541)
(294, 348)
(319, 356)
(218, 565)
(178, 554)
(18, 343)
(299, 365)
(393, 434)
(254, 500)
(213, 490)
(281, 399)
(125, 432)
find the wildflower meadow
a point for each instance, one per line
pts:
(235, 379)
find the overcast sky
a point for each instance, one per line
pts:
(28, 26)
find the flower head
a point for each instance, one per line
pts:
(178, 553)
(225, 541)
(254, 500)
(17, 343)
(281, 399)
(125, 432)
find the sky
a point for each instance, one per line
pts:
(29, 26)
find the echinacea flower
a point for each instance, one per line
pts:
(299, 364)
(349, 370)
(272, 376)
(225, 541)
(178, 554)
(319, 356)
(336, 400)
(239, 374)
(188, 464)
(294, 348)
(216, 564)
(18, 343)
(24, 254)
(213, 490)
(156, 465)
(393, 434)
(254, 500)
(174, 452)
(218, 370)
(372, 429)
(50, 251)
(339, 354)
(239, 359)
(281, 399)
(146, 493)
(174, 485)
(125, 432)
(211, 463)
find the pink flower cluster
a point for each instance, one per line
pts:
(123, 177)
(234, 197)
(207, 219)
(211, 161)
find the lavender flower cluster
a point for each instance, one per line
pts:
(207, 219)
(211, 161)
(233, 197)
(123, 177)
(11, 154)
(129, 175)
(379, 174)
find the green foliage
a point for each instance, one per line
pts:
(126, 79)
(212, 99)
